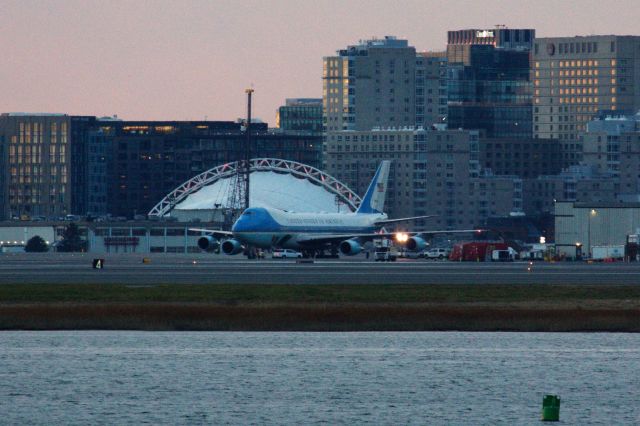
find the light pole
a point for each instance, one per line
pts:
(592, 213)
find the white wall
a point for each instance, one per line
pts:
(22, 234)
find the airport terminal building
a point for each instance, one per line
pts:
(109, 237)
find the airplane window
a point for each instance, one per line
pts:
(246, 213)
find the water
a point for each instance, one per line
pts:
(316, 378)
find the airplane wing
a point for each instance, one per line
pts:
(310, 240)
(215, 232)
(402, 219)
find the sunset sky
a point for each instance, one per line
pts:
(190, 59)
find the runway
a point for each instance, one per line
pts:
(219, 269)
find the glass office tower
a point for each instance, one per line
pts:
(488, 82)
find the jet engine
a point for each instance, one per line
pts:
(415, 244)
(208, 243)
(231, 247)
(350, 247)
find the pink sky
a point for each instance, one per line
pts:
(190, 59)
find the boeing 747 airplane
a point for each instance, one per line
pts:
(316, 232)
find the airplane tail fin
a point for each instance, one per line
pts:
(373, 201)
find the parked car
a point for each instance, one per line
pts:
(286, 253)
(410, 254)
(437, 253)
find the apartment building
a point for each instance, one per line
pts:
(370, 84)
(432, 172)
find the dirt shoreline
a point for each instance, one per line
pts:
(566, 308)
(315, 317)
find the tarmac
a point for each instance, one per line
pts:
(203, 268)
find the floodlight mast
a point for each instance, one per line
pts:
(247, 150)
(239, 189)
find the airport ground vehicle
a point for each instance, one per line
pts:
(412, 254)
(437, 253)
(607, 252)
(385, 254)
(475, 251)
(286, 253)
(508, 255)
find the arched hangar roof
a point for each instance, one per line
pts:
(282, 184)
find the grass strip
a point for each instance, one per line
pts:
(321, 307)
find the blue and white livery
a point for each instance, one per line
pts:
(315, 232)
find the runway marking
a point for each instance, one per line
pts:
(360, 265)
(302, 269)
(320, 273)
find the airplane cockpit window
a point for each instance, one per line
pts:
(246, 213)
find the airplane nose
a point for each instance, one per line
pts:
(239, 225)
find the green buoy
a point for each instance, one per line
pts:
(551, 408)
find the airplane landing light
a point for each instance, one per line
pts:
(401, 237)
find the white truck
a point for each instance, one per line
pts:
(385, 251)
(508, 255)
(607, 252)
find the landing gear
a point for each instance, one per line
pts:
(320, 254)
(253, 253)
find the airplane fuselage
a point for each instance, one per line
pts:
(267, 228)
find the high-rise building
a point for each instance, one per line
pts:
(489, 87)
(526, 158)
(577, 183)
(432, 172)
(370, 84)
(97, 158)
(431, 88)
(148, 159)
(80, 168)
(55, 164)
(500, 37)
(575, 78)
(611, 145)
(35, 165)
(300, 115)
(609, 170)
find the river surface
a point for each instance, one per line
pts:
(244, 378)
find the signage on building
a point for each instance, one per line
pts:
(121, 241)
(484, 34)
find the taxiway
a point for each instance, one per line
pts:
(219, 269)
